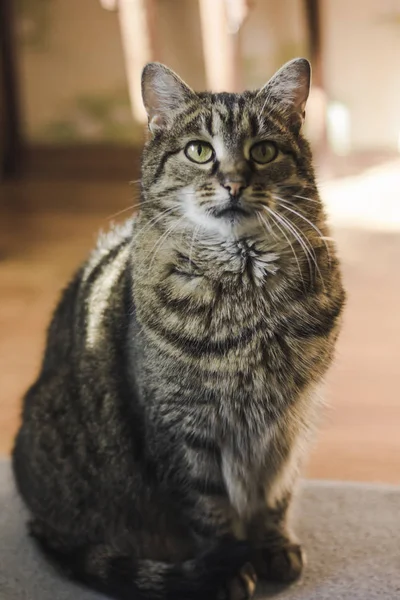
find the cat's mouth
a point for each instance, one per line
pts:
(233, 212)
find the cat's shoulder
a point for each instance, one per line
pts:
(116, 235)
(109, 244)
(107, 258)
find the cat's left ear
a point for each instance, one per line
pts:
(289, 88)
(163, 93)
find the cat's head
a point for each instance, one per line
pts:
(222, 162)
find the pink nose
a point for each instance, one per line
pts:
(234, 187)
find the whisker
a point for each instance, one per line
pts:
(308, 251)
(273, 215)
(131, 207)
(306, 198)
(298, 187)
(307, 221)
(157, 218)
(268, 225)
(195, 232)
(157, 246)
(121, 212)
(307, 248)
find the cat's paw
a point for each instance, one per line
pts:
(241, 587)
(279, 563)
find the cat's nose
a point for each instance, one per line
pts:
(234, 188)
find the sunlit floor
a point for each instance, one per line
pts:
(41, 245)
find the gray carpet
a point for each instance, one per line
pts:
(351, 533)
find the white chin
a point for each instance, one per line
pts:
(224, 226)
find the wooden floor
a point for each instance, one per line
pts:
(47, 228)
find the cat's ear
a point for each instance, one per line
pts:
(163, 92)
(289, 88)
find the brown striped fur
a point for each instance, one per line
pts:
(179, 385)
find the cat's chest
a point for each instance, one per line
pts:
(243, 466)
(236, 273)
(217, 305)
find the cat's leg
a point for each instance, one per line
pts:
(278, 556)
(205, 507)
(210, 518)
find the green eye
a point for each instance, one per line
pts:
(199, 152)
(263, 152)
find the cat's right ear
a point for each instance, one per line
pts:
(162, 92)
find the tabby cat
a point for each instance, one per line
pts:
(161, 442)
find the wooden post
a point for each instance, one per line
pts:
(313, 14)
(315, 41)
(220, 47)
(10, 117)
(136, 18)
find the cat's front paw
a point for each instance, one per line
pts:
(282, 563)
(241, 587)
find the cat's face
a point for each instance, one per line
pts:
(223, 162)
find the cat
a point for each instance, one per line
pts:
(161, 442)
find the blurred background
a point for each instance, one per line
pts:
(71, 130)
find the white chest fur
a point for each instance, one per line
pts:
(239, 478)
(262, 471)
(243, 470)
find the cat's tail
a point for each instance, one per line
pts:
(124, 578)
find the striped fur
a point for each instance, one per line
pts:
(179, 383)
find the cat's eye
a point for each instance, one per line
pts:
(263, 152)
(199, 152)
